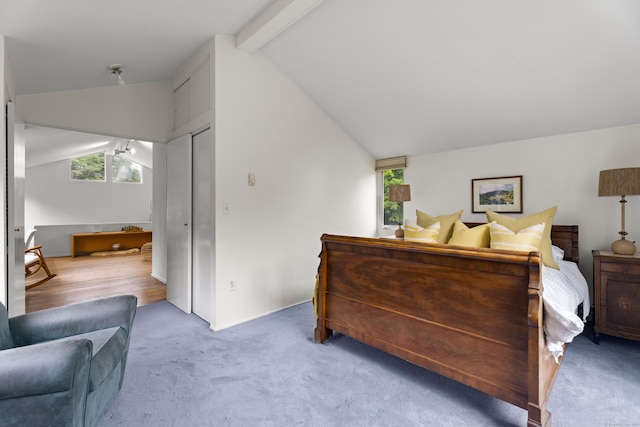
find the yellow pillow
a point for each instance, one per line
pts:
(476, 237)
(526, 240)
(517, 224)
(446, 223)
(422, 235)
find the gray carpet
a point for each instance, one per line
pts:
(270, 372)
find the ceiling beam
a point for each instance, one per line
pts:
(271, 22)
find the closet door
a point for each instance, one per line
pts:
(202, 226)
(179, 289)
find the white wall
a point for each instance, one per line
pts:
(52, 198)
(139, 111)
(311, 178)
(558, 170)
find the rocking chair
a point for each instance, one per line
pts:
(34, 261)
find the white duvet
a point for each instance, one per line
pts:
(563, 291)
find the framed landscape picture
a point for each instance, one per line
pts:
(497, 194)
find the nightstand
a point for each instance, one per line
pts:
(616, 282)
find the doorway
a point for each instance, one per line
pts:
(58, 205)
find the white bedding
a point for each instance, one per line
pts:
(563, 291)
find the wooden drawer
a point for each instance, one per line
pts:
(616, 282)
(607, 266)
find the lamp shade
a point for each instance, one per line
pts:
(619, 182)
(399, 193)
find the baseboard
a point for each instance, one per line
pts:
(229, 325)
(163, 281)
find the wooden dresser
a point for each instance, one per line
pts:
(616, 281)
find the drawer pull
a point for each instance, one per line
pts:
(625, 269)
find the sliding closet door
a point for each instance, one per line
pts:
(202, 226)
(179, 223)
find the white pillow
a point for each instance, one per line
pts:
(557, 253)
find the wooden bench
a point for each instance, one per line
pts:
(86, 243)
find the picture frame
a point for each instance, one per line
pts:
(502, 194)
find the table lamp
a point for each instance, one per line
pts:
(399, 194)
(620, 182)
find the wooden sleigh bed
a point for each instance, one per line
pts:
(472, 315)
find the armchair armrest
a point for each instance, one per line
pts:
(45, 384)
(74, 319)
(45, 368)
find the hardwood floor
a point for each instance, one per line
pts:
(89, 277)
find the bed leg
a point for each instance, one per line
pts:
(537, 417)
(322, 334)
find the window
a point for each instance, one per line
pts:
(390, 172)
(124, 170)
(90, 167)
(393, 211)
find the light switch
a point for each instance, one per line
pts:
(252, 179)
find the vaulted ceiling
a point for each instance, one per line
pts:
(400, 76)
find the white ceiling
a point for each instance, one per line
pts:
(401, 76)
(69, 44)
(48, 145)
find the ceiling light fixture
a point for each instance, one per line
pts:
(116, 69)
(124, 149)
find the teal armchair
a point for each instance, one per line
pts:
(64, 366)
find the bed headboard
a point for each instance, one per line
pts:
(563, 236)
(566, 238)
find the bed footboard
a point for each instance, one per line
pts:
(472, 315)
